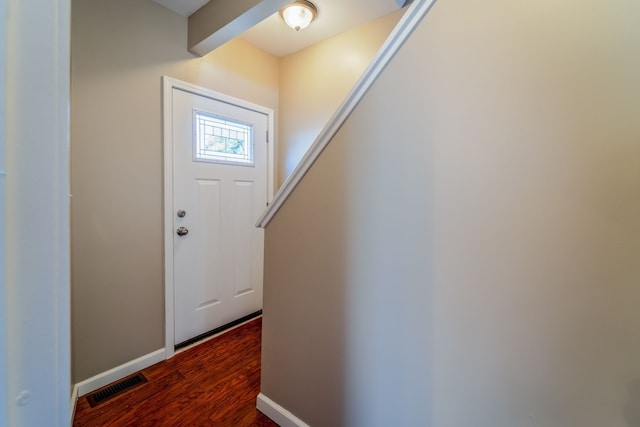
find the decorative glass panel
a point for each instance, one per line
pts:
(223, 140)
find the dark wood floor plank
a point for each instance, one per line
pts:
(212, 384)
(128, 402)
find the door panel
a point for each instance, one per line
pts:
(218, 263)
(208, 206)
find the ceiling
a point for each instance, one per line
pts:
(273, 36)
(182, 7)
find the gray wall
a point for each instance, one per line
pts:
(465, 252)
(120, 50)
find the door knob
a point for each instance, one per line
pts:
(181, 213)
(182, 231)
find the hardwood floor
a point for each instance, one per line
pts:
(212, 384)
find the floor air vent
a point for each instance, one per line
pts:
(115, 389)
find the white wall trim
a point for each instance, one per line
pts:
(72, 403)
(107, 377)
(168, 84)
(167, 130)
(34, 200)
(4, 319)
(277, 413)
(409, 22)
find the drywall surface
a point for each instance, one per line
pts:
(465, 252)
(120, 51)
(315, 81)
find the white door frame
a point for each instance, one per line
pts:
(35, 356)
(168, 85)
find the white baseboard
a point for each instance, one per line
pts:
(277, 413)
(72, 404)
(101, 380)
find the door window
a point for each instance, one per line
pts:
(222, 140)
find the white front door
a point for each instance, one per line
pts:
(219, 190)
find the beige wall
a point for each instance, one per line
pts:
(487, 273)
(315, 81)
(120, 50)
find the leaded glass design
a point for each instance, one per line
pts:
(223, 140)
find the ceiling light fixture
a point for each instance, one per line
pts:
(299, 14)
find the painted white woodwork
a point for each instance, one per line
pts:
(117, 373)
(35, 378)
(213, 273)
(4, 343)
(73, 403)
(408, 23)
(277, 413)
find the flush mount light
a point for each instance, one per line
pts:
(299, 14)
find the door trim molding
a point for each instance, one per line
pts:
(168, 84)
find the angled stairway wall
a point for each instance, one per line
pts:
(315, 80)
(465, 251)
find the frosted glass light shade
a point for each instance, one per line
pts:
(299, 14)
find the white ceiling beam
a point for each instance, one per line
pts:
(219, 21)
